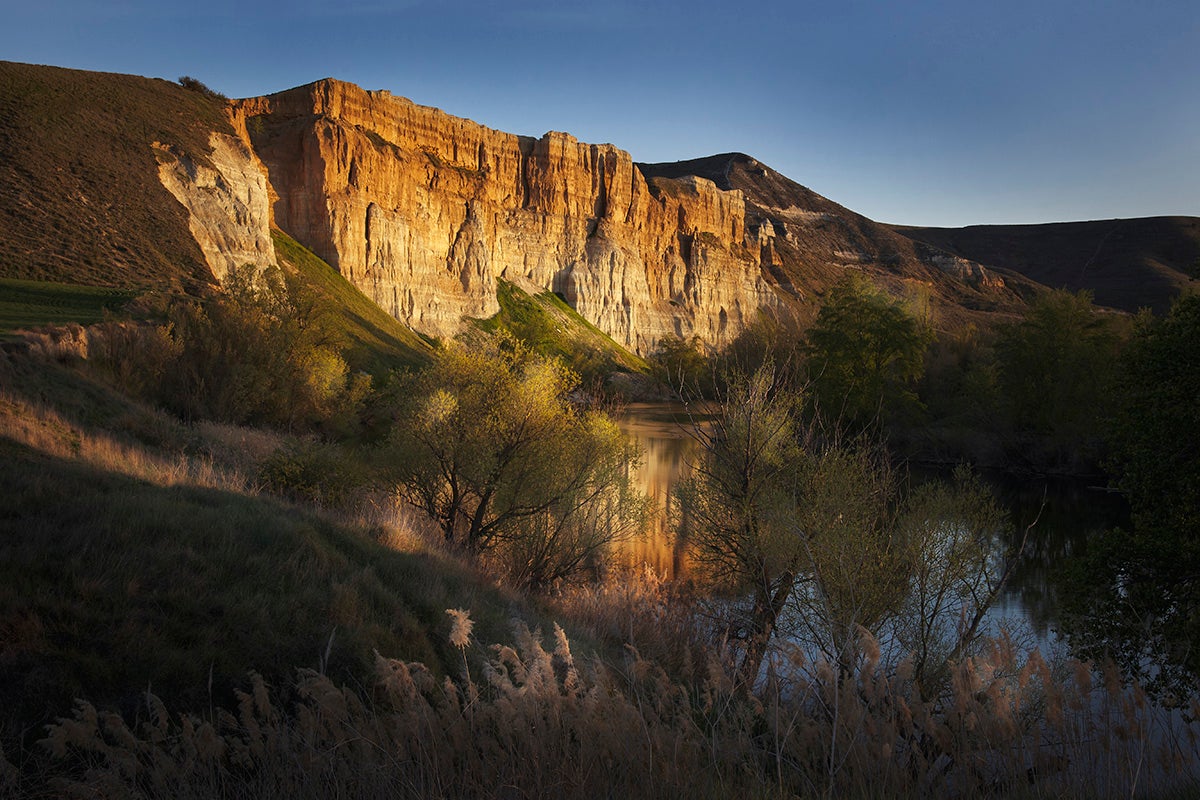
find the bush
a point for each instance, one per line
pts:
(488, 445)
(194, 85)
(314, 472)
(265, 352)
(866, 353)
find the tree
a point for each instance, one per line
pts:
(1136, 595)
(865, 354)
(740, 503)
(955, 570)
(682, 365)
(488, 445)
(813, 538)
(266, 350)
(1056, 366)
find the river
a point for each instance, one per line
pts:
(1063, 514)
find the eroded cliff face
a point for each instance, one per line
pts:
(227, 200)
(424, 211)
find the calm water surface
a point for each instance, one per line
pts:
(1063, 514)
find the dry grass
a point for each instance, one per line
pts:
(112, 540)
(42, 428)
(532, 720)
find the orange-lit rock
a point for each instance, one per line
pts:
(423, 211)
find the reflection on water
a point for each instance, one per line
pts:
(1063, 514)
(668, 449)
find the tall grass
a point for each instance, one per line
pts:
(42, 428)
(124, 564)
(531, 719)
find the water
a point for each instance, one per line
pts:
(1063, 515)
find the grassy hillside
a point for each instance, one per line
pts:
(29, 304)
(80, 198)
(376, 341)
(549, 326)
(136, 551)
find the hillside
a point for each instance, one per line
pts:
(80, 197)
(809, 241)
(1128, 263)
(130, 183)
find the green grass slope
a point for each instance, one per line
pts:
(546, 324)
(29, 304)
(80, 198)
(376, 341)
(136, 552)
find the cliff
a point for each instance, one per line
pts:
(423, 211)
(122, 181)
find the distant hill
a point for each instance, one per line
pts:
(1127, 263)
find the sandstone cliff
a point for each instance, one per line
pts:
(423, 211)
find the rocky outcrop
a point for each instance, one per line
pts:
(229, 209)
(424, 211)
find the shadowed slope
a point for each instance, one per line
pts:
(1128, 263)
(813, 241)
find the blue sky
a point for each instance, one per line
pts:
(928, 113)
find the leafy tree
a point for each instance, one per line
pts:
(1136, 596)
(865, 354)
(955, 571)
(1056, 367)
(265, 350)
(961, 381)
(740, 503)
(815, 539)
(683, 365)
(488, 445)
(765, 340)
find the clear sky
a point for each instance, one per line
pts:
(928, 112)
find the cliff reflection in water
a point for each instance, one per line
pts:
(668, 451)
(1064, 515)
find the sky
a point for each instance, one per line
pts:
(928, 112)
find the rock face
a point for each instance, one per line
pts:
(229, 208)
(424, 211)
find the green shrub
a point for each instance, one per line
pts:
(314, 472)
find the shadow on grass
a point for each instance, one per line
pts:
(110, 585)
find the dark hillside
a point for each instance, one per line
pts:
(1128, 263)
(80, 198)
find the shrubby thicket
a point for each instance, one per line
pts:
(814, 539)
(1031, 394)
(1136, 595)
(834, 641)
(264, 351)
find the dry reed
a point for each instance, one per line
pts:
(527, 721)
